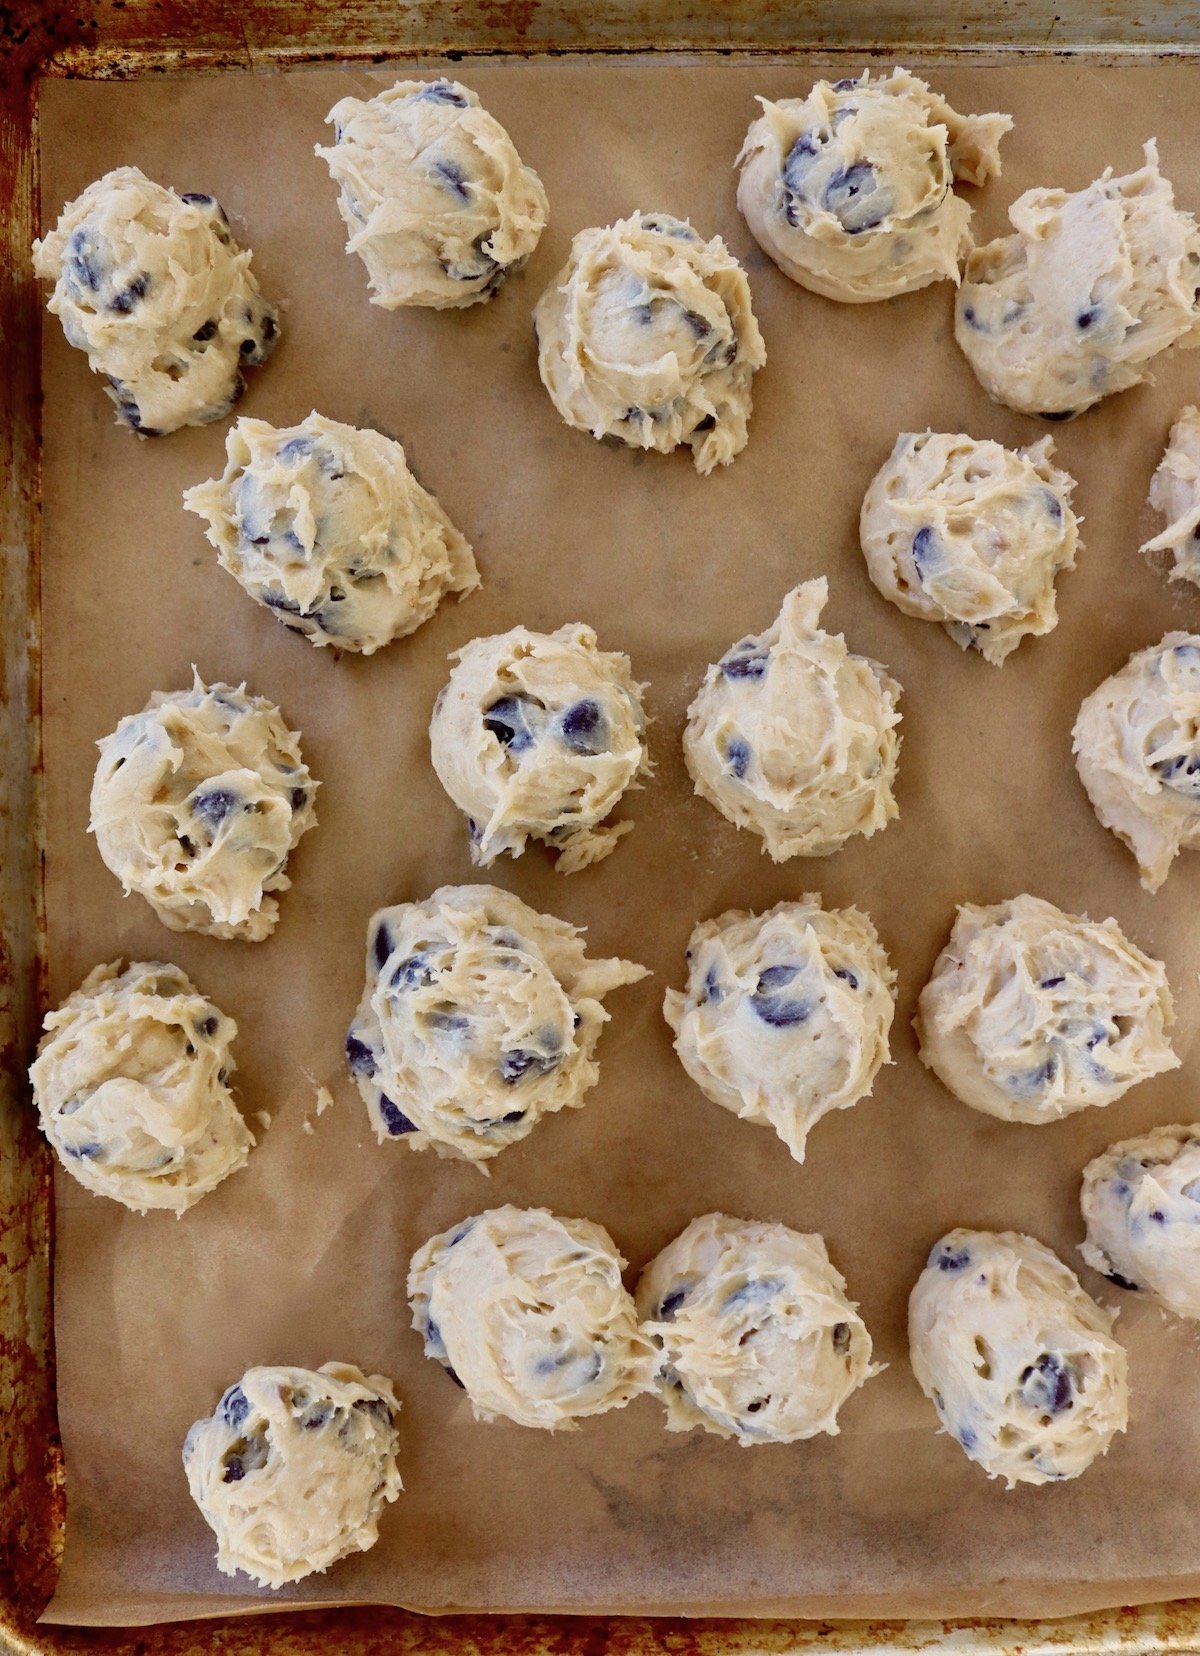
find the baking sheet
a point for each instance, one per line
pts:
(302, 1257)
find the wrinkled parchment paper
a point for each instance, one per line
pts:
(302, 1257)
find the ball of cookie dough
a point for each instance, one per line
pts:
(438, 204)
(758, 1341)
(1032, 1014)
(528, 1313)
(646, 336)
(851, 190)
(326, 526)
(537, 736)
(794, 737)
(1175, 492)
(197, 802)
(971, 534)
(1141, 1204)
(1093, 286)
(786, 1014)
(1018, 1361)
(1137, 751)
(153, 286)
(131, 1082)
(293, 1469)
(479, 1017)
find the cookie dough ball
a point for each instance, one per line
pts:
(326, 526)
(646, 336)
(851, 190)
(293, 1468)
(1141, 1205)
(196, 803)
(528, 1313)
(131, 1082)
(1137, 751)
(438, 204)
(1018, 1361)
(537, 736)
(971, 534)
(1175, 492)
(155, 289)
(1094, 285)
(479, 1017)
(794, 737)
(758, 1341)
(786, 1014)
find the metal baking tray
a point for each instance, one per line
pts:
(121, 39)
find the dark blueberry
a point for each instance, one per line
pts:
(376, 1406)
(1053, 504)
(737, 756)
(129, 411)
(277, 600)
(394, 1118)
(474, 831)
(1052, 983)
(448, 1023)
(856, 198)
(1099, 1033)
(463, 1230)
(234, 1406)
(197, 199)
(925, 549)
(359, 1056)
(584, 727)
(518, 1063)
(1024, 1083)
(1058, 414)
(670, 1305)
(972, 321)
(761, 1292)
(84, 1152)
(1158, 1216)
(706, 424)
(440, 91)
(212, 808)
(841, 1336)
(712, 985)
(83, 255)
(506, 721)
(126, 300)
(796, 168)
(206, 332)
(775, 977)
(234, 1470)
(382, 945)
(452, 176)
(299, 798)
(413, 973)
(1123, 1282)
(950, 1261)
(315, 1416)
(743, 663)
(208, 1026)
(662, 224)
(513, 1116)
(845, 973)
(775, 1008)
(1086, 317)
(479, 266)
(844, 85)
(967, 1438)
(296, 448)
(1047, 1385)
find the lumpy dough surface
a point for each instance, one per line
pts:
(971, 534)
(479, 1017)
(1092, 287)
(758, 1341)
(326, 526)
(537, 736)
(196, 804)
(153, 286)
(131, 1084)
(1032, 1014)
(1141, 1205)
(293, 1469)
(1175, 492)
(528, 1312)
(786, 1014)
(1137, 750)
(646, 335)
(851, 190)
(1016, 1358)
(794, 737)
(437, 202)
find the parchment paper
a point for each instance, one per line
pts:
(302, 1257)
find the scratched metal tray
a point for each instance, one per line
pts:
(110, 39)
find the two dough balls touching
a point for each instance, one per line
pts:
(1175, 492)
(646, 336)
(785, 1015)
(479, 1017)
(971, 534)
(1141, 1205)
(293, 1469)
(1017, 1359)
(537, 736)
(851, 190)
(153, 286)
(1092, 287)
(793, 736)
(1032, 1014)
(197, 803)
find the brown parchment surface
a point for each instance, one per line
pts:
(301, 1258)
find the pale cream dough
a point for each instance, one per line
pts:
(1093, 286)
(479, 1016)
(794, 737)
(758, 1341)
(646, 336)
(131, 1084)
(1141, 1204)
(1175, 492)
(971, 534)
(786, 1014)
(326, 526)
(1032, 1014)
(1016, 1358)
(197, 802)
(1137, 750)
(851, 190)
(537, 736)
(153, 286)
(293, 1469)
(438, 204)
